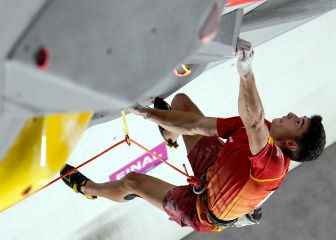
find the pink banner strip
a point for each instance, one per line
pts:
(142, 164)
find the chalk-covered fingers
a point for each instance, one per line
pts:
(245, 53)
(139, 110)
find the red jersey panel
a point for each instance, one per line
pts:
(238, 182)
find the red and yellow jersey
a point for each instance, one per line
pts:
(238, 182)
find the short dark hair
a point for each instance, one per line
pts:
(312, 143)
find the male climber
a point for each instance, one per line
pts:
(241, 160)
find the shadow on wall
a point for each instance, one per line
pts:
(136, 220)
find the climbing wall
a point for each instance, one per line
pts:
(101, 57)
(87, 55)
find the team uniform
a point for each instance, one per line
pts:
(236, 181)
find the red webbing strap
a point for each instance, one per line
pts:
(81, 165)
(192, 180)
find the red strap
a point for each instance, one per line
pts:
(194, 181)
(81, 165)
